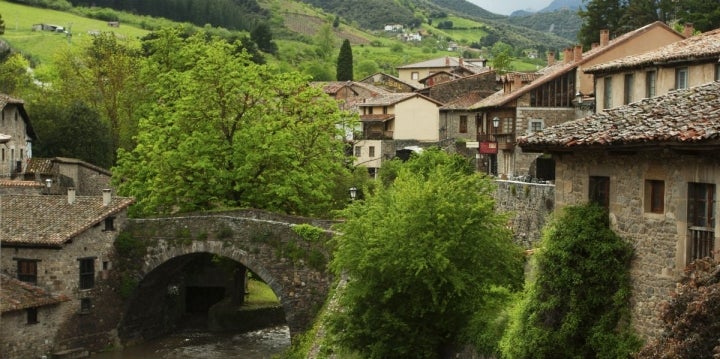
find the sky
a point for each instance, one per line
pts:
(505, 7)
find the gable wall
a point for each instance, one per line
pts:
(417, 119)
(12, 123)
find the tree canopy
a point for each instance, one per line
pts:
(225, 131)
(577, 303)
(345, 62)
(421, 256)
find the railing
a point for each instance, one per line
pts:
(505, 141)
(376, 135)
(702, 242)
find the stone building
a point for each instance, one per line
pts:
(61, 248)
(561, 93)
(16, 136)
(653, 164)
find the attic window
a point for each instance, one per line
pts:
(415, 75)
(32, 315)
(109, 224)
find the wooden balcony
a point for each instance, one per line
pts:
(505, 141)
(702, 242)
(375, 135)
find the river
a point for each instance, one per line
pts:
(193, 344)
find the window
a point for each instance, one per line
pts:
(371, 151)
(701, 219)
(414, 75)
(463, 124)
(369, 110)
(607, 100)
(27, 270)
(87, 273)
(32, 315)
(650, 82)
(109, 223)
(85, 305)
(717, 72)
(358, 151)
(654, 196)
(3, 155)
(599, 191)
(508, 125)
(535, 125)
(627, 94)
(681, 78)
(385, 110)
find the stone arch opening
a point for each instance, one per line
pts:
(199, 288)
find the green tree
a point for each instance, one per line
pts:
(703, 14)
(366, 68)
(420, 255)
(74, 131)
(14, 76)
(599, 15)
(577, 305)
(262, 36)
(2, 25)
(501, 57)
(639, 13)
(345, 62)
(692, 317)
(224, 131)
(325, 41)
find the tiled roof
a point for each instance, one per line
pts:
(558, 69)
(447, 61)
(19, 183)
(393, 98)
(17, 295)
(524, 76)
(690, 116)
(702, 46)
(49, 220)
(377, 117)
(467, 100)
(39, 165)
(332, 87)
(411, 84)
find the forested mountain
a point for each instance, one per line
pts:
(572, 5)
(564, 23)
(230, 14)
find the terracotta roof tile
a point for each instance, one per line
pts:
(49, 220)
(376, 117)
(558, 69)
(679, 117)
(17, 295)
(465, 101)
(705, 45)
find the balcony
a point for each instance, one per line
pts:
(505, 141)
(702, 242)
(375, 135)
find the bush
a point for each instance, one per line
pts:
(577, 305)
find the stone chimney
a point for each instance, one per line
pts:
(447, 61)
(594, 45)
(578, 53)
(107, 196)
(517, 82)
(604, 37)
(551, 58)
(460, 60)
(71, 195)
(689, 29)
(568, 55)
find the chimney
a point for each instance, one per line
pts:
(689, 29)
(106, 196)
(551, 58)
(518, 82)
(462, 63)
(71, 195)
(568, 55)
(594, 45)
(578, 53)
(447, 61)
(604, 37)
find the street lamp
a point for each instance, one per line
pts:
(496, 123)
(353, 193)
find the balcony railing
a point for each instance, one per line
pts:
(505, 141)
(376, 135)
(702, 242)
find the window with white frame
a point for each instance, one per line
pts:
(535, 125)
(681, 78)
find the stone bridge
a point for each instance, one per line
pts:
(291, 261)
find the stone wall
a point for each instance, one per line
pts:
(65, 326)
(529, 205)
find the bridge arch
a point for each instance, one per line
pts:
(265, 243)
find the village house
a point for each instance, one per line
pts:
(653, 165)
(391, 83)
(62, 245)
(679, 65)
(393, 122)
(455, 65)
(16, 136)
(562, 92)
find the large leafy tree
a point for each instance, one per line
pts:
(345, 62)
(421, 256)
(225, 131)
(577, 305)
(703, 14)
(262, 36)
(14, 76)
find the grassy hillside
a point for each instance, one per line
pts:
(41, 45)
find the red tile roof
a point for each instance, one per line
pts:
(49, 220)
(17, 295)
(552, 72)
(681, 117)
(389, 99)
(694, 48)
